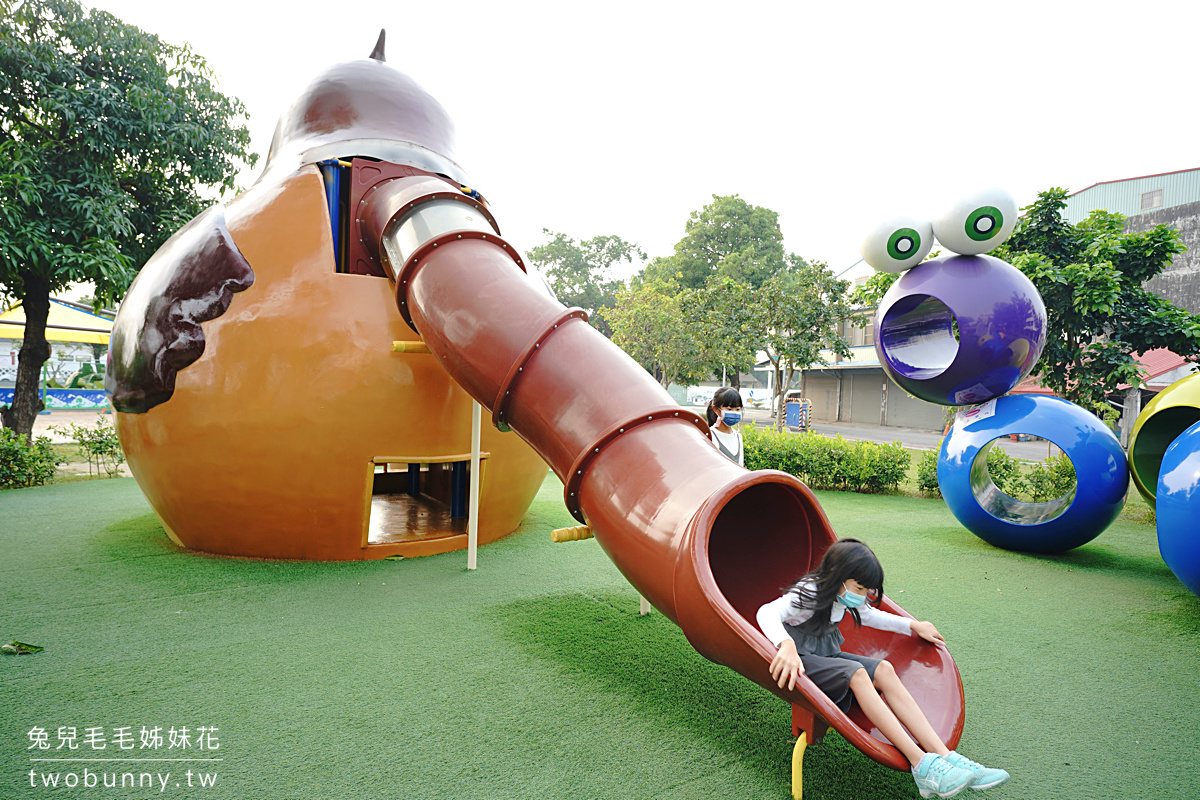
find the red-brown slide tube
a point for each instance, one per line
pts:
(705, 541)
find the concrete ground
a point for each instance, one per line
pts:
(43, 425)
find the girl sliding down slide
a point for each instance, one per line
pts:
(803, 625)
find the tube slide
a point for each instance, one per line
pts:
(705, 541)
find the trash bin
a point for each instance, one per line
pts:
(792, 416)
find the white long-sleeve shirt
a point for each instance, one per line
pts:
(772, 615)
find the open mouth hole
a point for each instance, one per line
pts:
(919, 334)
(1007, 508)
(762, 540)
(1153, 439)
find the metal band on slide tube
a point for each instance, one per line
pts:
(405, 274)
(579, 468)
(402, 219)
(518, 366)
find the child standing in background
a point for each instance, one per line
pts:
(724, 412)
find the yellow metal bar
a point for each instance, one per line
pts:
(410, 347)
(576, 534)
(798, 766)
(426, 459)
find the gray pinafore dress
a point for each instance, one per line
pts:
(731, 455)
(819, 643)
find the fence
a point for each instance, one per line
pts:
(66, 399)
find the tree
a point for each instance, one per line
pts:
(107, 135)
(723, 307)
(650, 323)
(797, 316)
(870, 293)
(581, 274)
(727, 238)
(1090, 276)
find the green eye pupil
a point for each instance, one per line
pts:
(903, 243)
(984, 223)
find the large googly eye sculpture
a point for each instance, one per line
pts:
(965, 329)
(978, 223)
(897, 244)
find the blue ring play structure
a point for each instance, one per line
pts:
(1178, 509)
(1101, 476)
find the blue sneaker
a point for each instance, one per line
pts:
(937, 776)
(985, 778)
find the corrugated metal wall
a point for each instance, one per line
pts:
(906, 411)
(1125, 197)
(821, 391)
(862, 400)
(866, 397)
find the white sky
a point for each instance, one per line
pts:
(623, 117)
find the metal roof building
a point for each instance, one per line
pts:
(1134, 196)
(1168, 198)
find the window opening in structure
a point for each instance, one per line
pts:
(417, 500)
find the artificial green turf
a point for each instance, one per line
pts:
(534, 676)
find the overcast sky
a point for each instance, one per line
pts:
(624, 117)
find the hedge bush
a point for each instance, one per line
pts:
(24, 463)
(927, 480)
(828, 463)
(1051, 478)
(1005, 472)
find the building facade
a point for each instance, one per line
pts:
(857, 390)
(1169, 198)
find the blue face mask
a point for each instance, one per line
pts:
(731, 417)
(851, 600)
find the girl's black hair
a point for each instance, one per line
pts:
(846, 559)
(725, 397)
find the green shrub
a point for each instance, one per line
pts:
(24, 463)
(828, 463)
(1051, 478)
(886, 465)
(1005, 472)
(100, 444)
(763, 451)
(927, 479)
